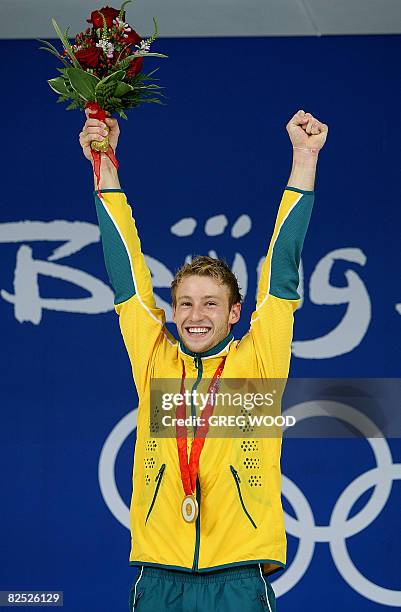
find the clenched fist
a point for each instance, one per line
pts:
(305, 131)
(97, 130)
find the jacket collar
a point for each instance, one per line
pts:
(220, 348)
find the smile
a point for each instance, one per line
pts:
(197, 331)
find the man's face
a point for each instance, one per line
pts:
(201, 313)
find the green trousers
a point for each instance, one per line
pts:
(242, 588)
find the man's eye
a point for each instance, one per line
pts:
(211, 303)
(185, 303)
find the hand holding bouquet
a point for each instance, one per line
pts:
(102, 70)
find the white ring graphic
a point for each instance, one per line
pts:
(306, 547)
(382, 455)
(107, 461)
(338, 547)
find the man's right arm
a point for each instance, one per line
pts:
(142, 323)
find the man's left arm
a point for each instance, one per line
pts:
(277, 299)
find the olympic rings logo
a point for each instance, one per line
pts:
(303, 527)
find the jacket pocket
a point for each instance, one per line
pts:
(158, 481)
(238, 484)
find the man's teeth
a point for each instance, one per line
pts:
(198, 330)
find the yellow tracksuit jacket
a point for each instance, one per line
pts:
(238, 488)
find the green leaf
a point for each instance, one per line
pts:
(122, 114)
(66, 64)
(52, 49)
(49, 44)
(115, 100)
(105, 92)
(58, 85)
(152, 86)
(137, 54)
(83, 83)
(122, 9)
(115, 76)
(155, 33)
(146, 54)
(150, 73)
(154, 100)
(123, 48)
(65, 42)
(74, 104)
(122, 89)
(141, 78)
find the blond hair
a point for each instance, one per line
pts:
(218, 269)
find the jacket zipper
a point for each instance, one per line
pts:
(199, 366)
(158, 480)
(237, 482)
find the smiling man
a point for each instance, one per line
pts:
(206, 518)
(206, 303)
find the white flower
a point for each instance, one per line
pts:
(123, 26)
(106, 46)
(144, 46)
(110, 50)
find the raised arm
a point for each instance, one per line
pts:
(277, 298)
(142, 323)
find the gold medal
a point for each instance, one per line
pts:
(189, 509)
(101, 145)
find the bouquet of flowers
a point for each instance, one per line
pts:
(102, 69)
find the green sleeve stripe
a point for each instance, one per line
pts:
(284, 279)
(109, 191)
(299, 190)
(116, 257)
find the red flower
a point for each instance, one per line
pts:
(88, 58)
(132, 37)
(109, 14)
(134, 67)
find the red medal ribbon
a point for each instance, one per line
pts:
(100, 114)
(189, 471)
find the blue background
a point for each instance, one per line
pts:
(218, 147)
